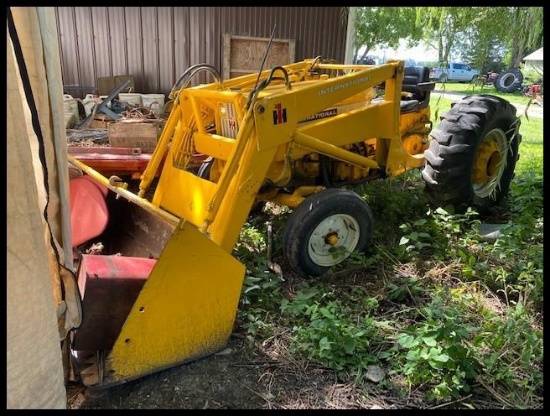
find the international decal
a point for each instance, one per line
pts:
(279, 114)
(331, 112)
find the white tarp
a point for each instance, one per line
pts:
(42, 299)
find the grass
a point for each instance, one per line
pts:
(453, 320)
(473, 88)
(531, 147)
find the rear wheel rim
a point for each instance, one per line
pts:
(489, 163)
(507, 80)
(333, 240)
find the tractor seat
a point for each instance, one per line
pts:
(416, 82)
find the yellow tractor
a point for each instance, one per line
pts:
(168, 289)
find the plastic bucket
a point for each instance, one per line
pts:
(133, 99)
(70, 107)
(155, 102)
(102, 98)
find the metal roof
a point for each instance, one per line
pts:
(535, 56)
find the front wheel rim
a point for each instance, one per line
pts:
(333, 240)
(489, 163)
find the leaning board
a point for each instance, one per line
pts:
(244, 54)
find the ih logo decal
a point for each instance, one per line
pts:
(279, 114)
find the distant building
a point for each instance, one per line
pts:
(534, 61)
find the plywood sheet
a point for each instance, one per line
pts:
(244, 54)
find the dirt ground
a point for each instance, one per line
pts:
(242, 376)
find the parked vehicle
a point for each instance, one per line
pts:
(458, 72)
(368, 60)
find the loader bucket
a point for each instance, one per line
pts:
(179, 308)
(185, 310)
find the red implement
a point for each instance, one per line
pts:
(89, 213)
(109, 286)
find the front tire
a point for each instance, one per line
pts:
(325, 229)
(472, 154)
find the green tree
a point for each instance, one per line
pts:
(384, 27)
(526, 28)
(441, 25)
(475, 32)
(483, 45)
(509, 32)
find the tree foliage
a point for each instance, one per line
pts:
(476, 33)
(484, 45)
(488, 38)
(384, 27)
(441, 25)
(526, 32)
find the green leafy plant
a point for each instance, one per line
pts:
(400, 288)
(510, 348)
(414, 239)
(452, 317)
(328, 332)
(435, 353)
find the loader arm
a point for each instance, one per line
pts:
(271, 122)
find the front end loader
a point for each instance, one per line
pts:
(168, 290)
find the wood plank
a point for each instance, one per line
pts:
(244, 54)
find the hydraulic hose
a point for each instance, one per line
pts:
(194, 69)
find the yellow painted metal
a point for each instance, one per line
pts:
(334, 151)
(413, 143)
(343, 128)
(235, 203)
(160, 150)
(294, 199)
(183, 194)
(267, 143)
(306, 100)
(332, 239)
(398, 159)
(486, 161)
(185, 310)
(214, 145)
(243, 140)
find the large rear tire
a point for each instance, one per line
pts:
(325, 229)
(472, 154)
(509, 80)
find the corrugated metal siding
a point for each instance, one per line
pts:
(157, 44)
